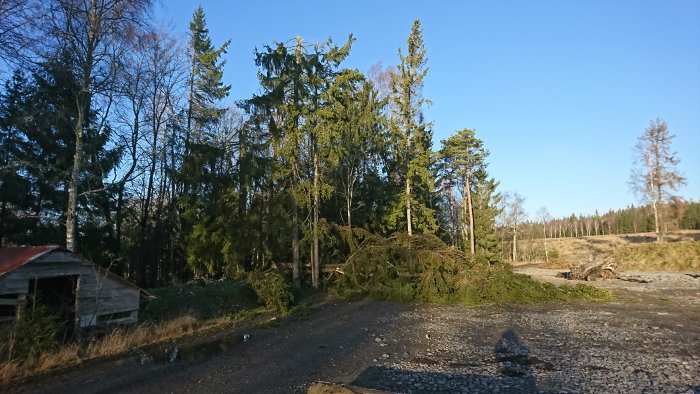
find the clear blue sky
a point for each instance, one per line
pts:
(558, 90)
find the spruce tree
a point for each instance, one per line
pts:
(15, 185)
(412, 137)
(205, 181)
(487, 202)
(206, 87)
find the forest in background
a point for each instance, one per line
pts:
(113, 143)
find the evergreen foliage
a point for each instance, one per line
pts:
(462, 167)
(272, 290)
(34, 333)
(206, 73)
(207, 204)
(486, 209)
(423, 268)
(214, 299)
(411, 142)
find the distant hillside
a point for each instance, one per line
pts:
(631, 251)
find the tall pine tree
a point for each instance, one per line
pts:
(464, 154)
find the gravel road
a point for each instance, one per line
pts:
(646, 340)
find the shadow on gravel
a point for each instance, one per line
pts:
(515, 360)
(515, 374)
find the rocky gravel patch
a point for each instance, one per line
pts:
(635, 281)
(576, 348)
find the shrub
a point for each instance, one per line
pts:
(553, 254)
(35, 333)
(272, 289)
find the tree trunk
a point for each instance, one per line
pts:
(659, 238)
(349, 194)
(409, 223)
(472, 237)
(408, 207)
(71, 214)
(544, 231)
(348, 205)
(296, 265)
(515, 244)
(3, 213)
(243, 171)
(190, 101)
(451, 195)
(316, 263)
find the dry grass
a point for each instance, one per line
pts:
(124, 339)
(677, 256)
(631, 251)
(118, 341)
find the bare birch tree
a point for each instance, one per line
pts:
(92, 33)
(513, 216)
(655, 176)
(545, 217)
(16, 29)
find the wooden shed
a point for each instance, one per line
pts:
(83, 294)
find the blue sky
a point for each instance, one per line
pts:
(558, 90)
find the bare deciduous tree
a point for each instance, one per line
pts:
(655, 175)
(545, 217)
(16, 33)
(513, 216)
(92, 33)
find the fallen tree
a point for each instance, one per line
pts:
(423, 268)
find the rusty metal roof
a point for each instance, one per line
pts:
(12, 258)
(15, 257)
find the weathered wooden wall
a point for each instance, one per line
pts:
(99, 294)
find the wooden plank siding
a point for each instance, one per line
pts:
(99, 293)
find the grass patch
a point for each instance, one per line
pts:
(671, 256)
(423, 268)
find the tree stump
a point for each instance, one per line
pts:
(594, 269)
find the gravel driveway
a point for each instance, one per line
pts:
(646, 340)
(646, 344)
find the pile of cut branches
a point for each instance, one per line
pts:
(423, 268)
(419, 267)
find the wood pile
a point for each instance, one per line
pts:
(592, 270)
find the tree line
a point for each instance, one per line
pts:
(679, 214)
(114, 143)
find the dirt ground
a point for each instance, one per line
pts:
(646, 339)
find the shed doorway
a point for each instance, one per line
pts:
(58, 295)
